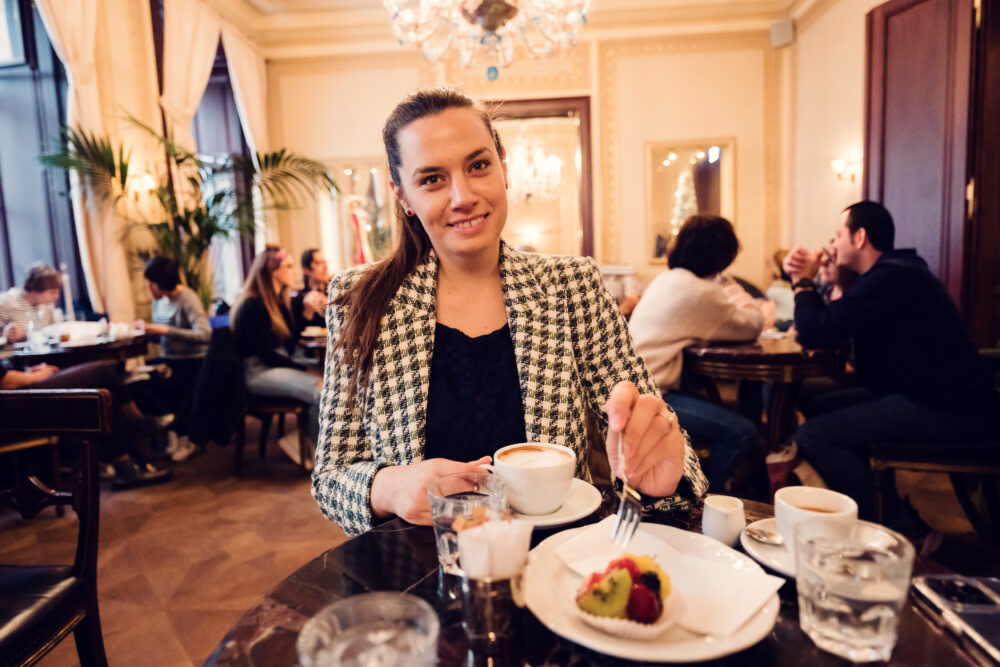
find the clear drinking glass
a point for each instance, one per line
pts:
(458, 495)
(852, 584)
(371, 630)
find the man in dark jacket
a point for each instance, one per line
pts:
(921, 377)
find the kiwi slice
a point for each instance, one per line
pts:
(609, 596)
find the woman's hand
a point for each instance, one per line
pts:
(313, 303)
(651, 440)
(155, 329)
(402, 490)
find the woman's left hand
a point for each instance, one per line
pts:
(651, 440)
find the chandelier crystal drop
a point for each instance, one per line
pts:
(487, 26)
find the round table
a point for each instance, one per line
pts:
(781, 361)
(397, 556)
(111, 349)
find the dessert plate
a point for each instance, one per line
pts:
(583, 498)
(774, 557)
(546, 573)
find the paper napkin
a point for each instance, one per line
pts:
(718, 598)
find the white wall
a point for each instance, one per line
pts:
(828, 90)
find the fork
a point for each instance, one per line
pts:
(629, 505)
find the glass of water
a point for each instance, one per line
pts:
(461, 495)
(371, 630)
(852, 584)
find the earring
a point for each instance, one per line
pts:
(409, 213)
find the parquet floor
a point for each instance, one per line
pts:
(181, 562)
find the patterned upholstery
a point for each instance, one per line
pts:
(572, 346)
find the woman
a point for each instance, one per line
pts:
(266, 338)
(687, 303)
(457, 344)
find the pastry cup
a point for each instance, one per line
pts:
(673, 606)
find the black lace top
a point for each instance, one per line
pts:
(474, 399)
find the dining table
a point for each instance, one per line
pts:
(105, 348)
(398, 556)
(776, 358)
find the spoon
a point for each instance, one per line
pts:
(765, 536)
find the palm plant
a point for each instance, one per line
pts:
(200, 198)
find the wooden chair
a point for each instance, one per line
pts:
(22, 444)
(266, 408)
(40, 605)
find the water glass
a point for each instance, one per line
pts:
(371, 630)
(851, 587)
(463, 494)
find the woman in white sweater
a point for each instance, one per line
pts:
(687, 303)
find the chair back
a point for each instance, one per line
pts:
(85, 413)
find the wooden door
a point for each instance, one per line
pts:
(917, 127)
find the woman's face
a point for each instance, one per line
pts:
(284, 275)
(453, 179)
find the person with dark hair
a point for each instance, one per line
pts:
(179, 319)
(31, 303)
(266, 338)
(921, 377)
(309, 304)
(687, 303)
(457, 344)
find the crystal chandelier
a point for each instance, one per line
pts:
(533, 174)
(490, 26)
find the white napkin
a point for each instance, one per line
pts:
(718, 599)
(494, 549)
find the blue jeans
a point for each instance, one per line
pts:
(837, 443)
(288, 382)
(730, 434)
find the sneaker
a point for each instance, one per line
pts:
(105, 471)
(162, 421)
(184, 450)
(130, 474)
(173, 442)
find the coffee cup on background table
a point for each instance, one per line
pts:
(797, 504)
(538, 475)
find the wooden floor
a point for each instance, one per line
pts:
(181, 562)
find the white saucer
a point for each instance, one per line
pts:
(771, 556)
(581, 501)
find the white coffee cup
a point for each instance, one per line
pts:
(796, 504)
(723, 519)
(538, 475)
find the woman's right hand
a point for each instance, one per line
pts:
(402, 490)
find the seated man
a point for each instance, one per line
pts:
(921, 375)
(309, 304)
(42, 287)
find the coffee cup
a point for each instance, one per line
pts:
(797, 504)
(538, 475)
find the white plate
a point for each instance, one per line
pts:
(547, 574)
(313, 332)
(581, 501)
(771, 556)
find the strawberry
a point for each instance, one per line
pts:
(624, 564)
(589, 583)
(644, 605)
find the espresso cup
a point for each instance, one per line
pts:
(793, 505)
(538, 475)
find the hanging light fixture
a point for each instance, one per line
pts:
(490, 26)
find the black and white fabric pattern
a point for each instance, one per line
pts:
(572, 347)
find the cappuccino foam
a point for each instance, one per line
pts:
(534, 457)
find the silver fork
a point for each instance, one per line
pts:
(629, 506)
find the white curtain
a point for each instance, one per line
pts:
(190, 41)
(72, 29)
(248, 75)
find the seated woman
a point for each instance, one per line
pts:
(458, 345)
(266, 338)
(182, 324)
(127, 421)
(42, 287)
(688, 303)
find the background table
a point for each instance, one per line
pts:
(118, 349)
(397, 556)
(782, 361)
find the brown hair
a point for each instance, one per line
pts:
(41, 277)
(365, 302)
(260, 285)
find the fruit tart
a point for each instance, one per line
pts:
(631, 598)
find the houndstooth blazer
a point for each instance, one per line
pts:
(571, 344)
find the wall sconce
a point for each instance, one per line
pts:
(846, 168)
